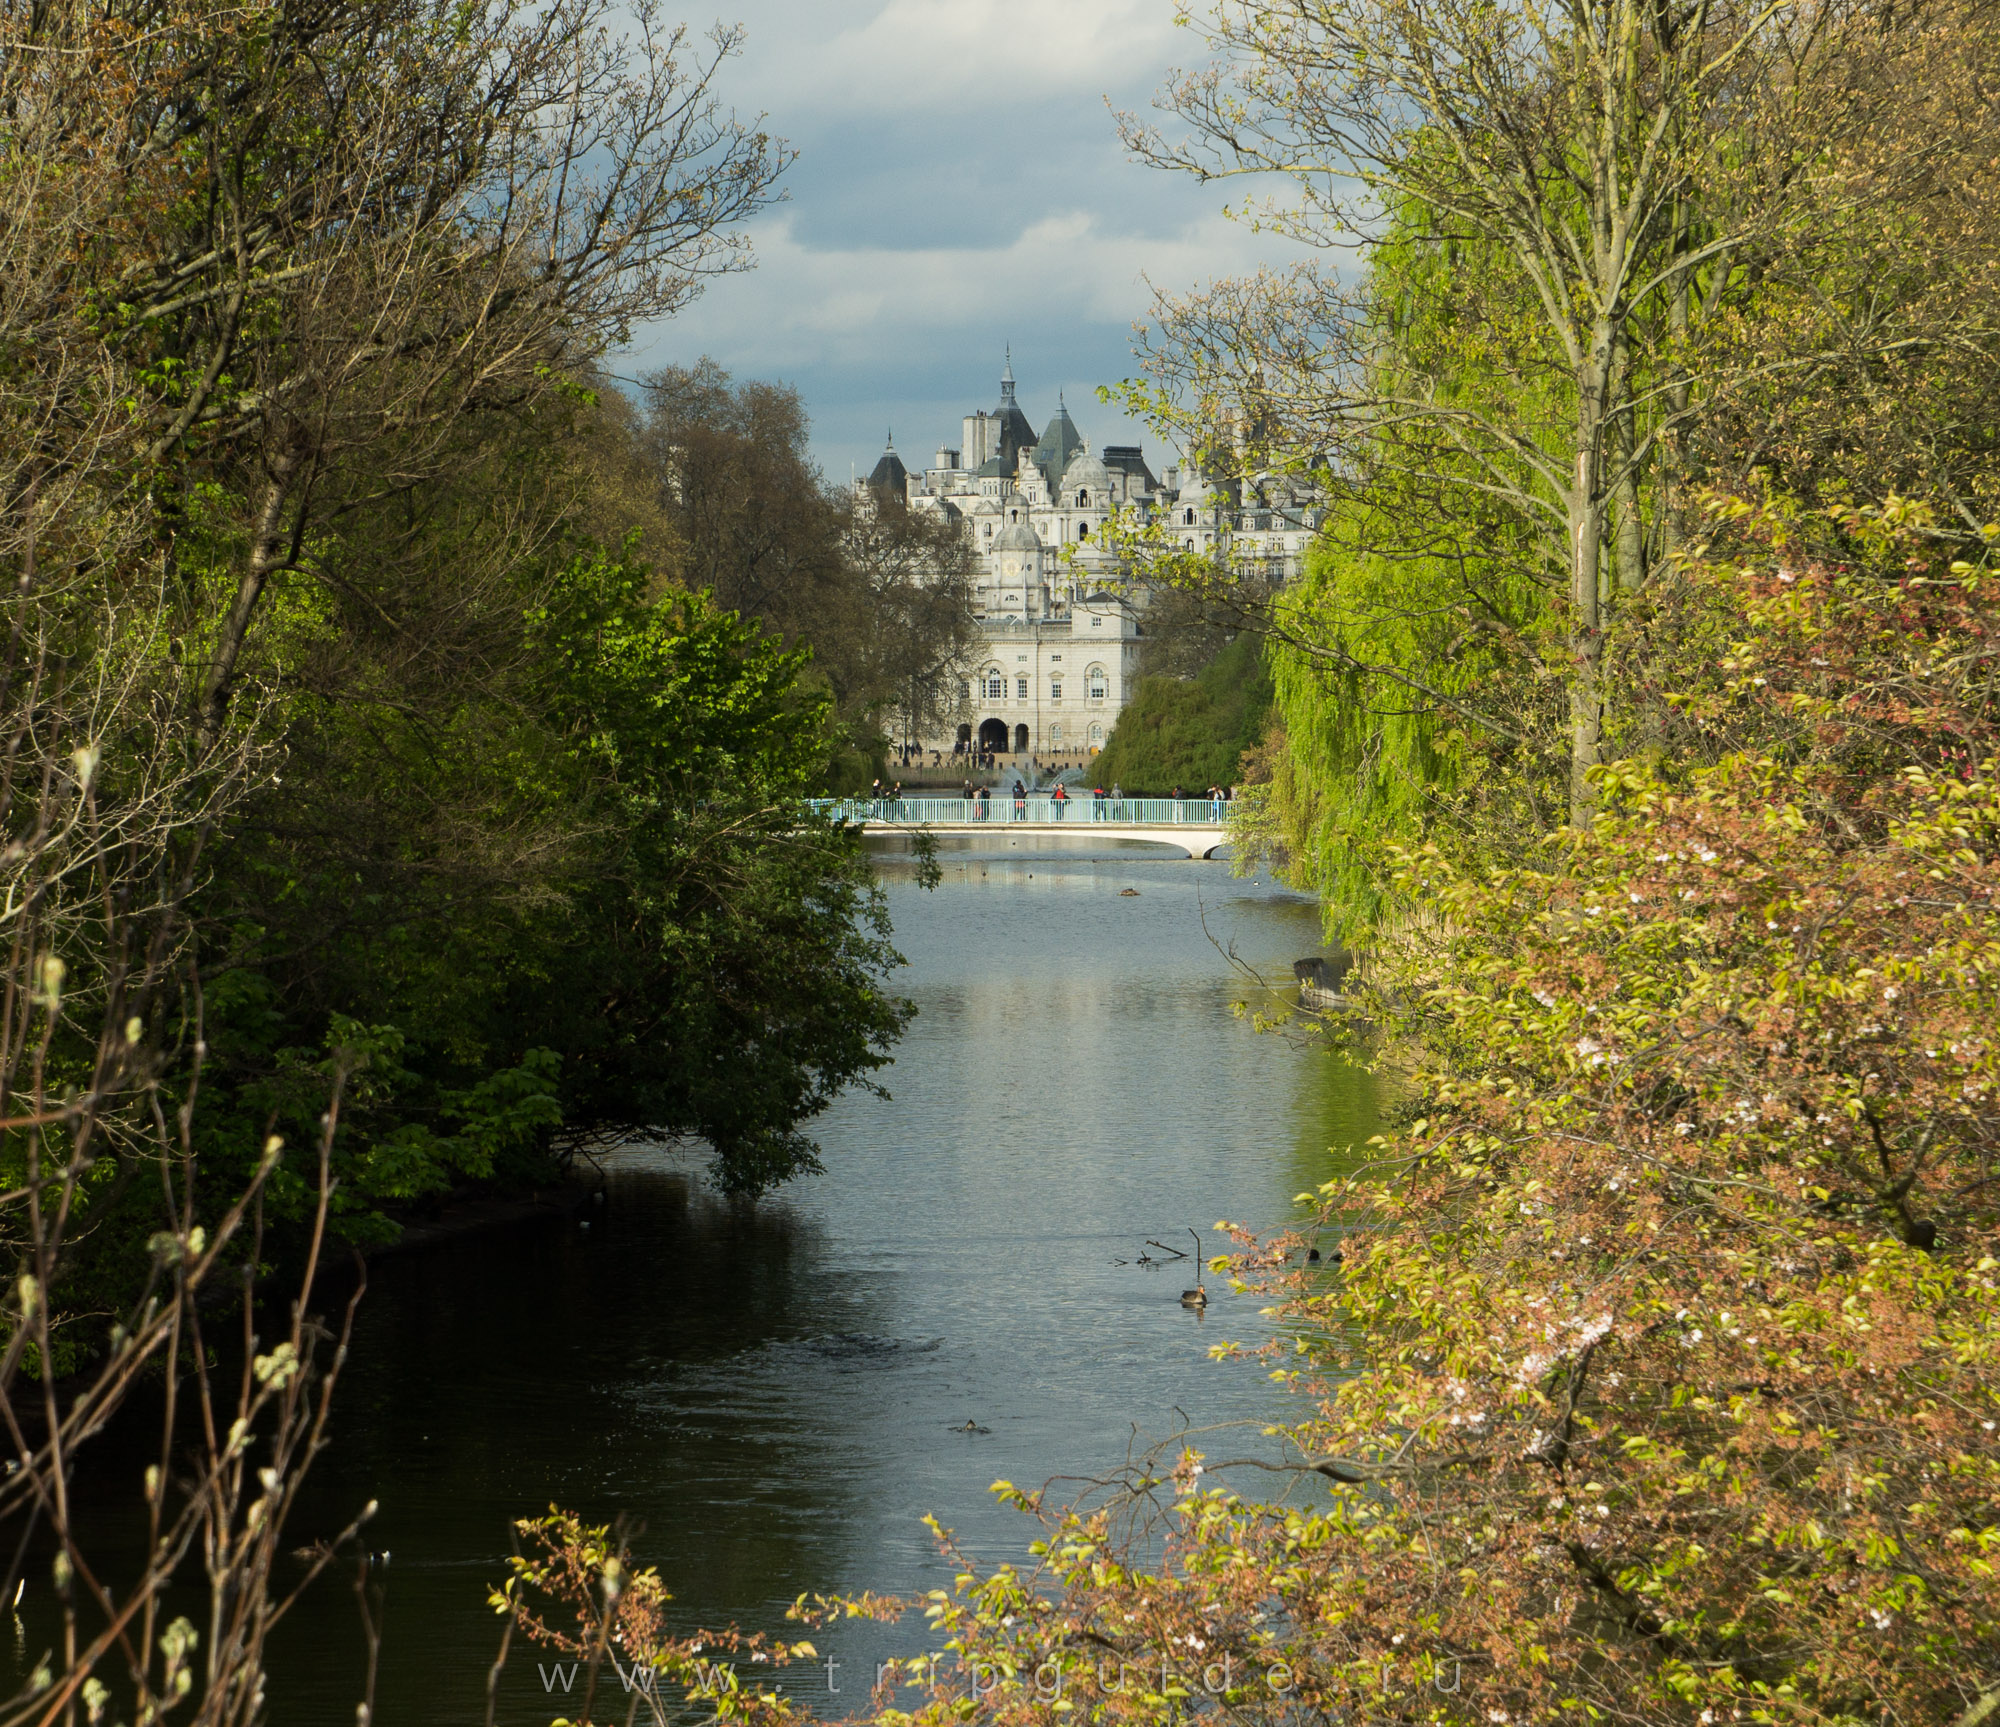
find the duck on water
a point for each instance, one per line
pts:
(1197, 1296)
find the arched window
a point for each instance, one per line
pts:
(1190, 518)
(1083, 530)
(1082, 500)
(1056, 735)
(996, 684)
(1094, 681)
(1097, 734)
(1190, 543)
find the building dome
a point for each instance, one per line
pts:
(1017, 537)
(1086, 470)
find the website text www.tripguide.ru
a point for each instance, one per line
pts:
(979, 1680)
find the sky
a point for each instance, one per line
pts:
(960, 187)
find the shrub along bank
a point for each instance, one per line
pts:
(1190, 732)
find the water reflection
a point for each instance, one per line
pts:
(780, 1391)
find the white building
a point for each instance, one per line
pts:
(1059, 631)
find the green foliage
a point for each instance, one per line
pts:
(720, 973)
(570, 905)
(1190, 733)
(1374, 757)
(1412, 661)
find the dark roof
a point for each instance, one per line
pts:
(890, 475)
(1016, 434)
(1129, 459)
(1058, 445)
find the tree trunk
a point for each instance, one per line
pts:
(1586, 646)
(1586, 632)
(1628, 526)
(267, 553)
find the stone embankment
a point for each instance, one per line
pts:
(1319, 981)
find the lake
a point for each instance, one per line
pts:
(779, 1391)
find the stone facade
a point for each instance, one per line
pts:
(1060, 631)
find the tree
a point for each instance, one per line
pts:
(304, 639)
(755, 524)
(1601, 178)
(881, 593)
(538, 849)
(916, 575)
(720, 970)
(354, 227)
(1191, 732)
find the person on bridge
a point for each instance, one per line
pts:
(1020, 802)
(985, 802)
(1097, 803)
(1059, 797)
(1117, 802)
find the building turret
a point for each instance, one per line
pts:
(1129, 460)
(1009, 432)
(1058, 445)
(889, 474)
(1017, 561)
(1029, 484)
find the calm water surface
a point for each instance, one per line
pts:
(772, 1389)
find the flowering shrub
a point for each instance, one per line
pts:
(576, 1592)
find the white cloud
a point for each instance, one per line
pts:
(806, 304)
(913, 54)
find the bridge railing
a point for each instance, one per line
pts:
(1001, 809)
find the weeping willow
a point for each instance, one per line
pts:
(1417, 662)
(1369, 761)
